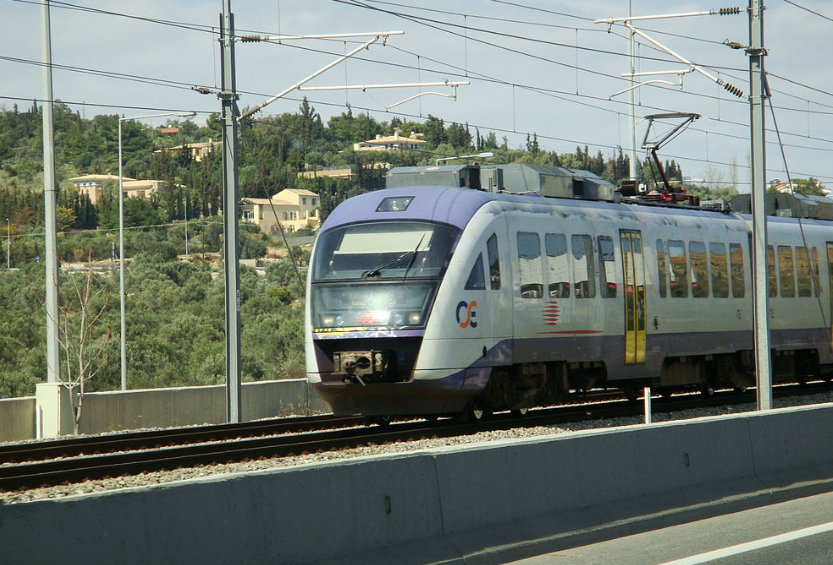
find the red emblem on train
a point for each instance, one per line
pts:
(551, 313)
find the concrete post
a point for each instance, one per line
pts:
(53, 407)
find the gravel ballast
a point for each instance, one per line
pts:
(402, 447)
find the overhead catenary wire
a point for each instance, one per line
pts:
(210, 29)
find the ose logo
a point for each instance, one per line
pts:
(468, 307)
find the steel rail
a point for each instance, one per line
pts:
(77, 469)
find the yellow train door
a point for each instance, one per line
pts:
(634, 294)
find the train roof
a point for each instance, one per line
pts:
(456, 206)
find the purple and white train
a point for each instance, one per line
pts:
(439, 300)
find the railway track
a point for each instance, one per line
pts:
(75, 460)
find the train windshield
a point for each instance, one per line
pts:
(390, 305)
(383, 251)
(383, 274)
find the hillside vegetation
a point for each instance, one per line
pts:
(175, 305)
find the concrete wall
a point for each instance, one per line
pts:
(166, 407)
(17, 418)
(483, 504)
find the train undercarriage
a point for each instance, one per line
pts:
(523, 386)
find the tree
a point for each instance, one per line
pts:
(459, 137)
(435, 133)
(84, 348)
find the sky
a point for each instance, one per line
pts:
(535, 67)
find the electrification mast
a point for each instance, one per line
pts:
(757, 86)
(53, 352)
(231, 246)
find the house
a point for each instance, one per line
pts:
(395, 141)
(328, 172)
(91, 185)
(198, 151)
(141, 188)
(292, 208)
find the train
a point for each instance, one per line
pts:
(450, 300)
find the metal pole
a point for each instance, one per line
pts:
(186, 224)
(8, 245)
(122, 313)
(632, 102)
(647, 393)
(122, 293)
(760, 285)
(231, 248)
(53, 353)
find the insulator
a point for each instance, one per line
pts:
(250, 38)
(729, 11)
(733, 89)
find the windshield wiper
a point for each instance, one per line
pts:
(374, 272)
(410, 255)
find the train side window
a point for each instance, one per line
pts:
(558, 265)
(786, 273)
(814, 258)
(772, 280)
(720, 270)
(494, 262)
(476, 280)
(661, 270)
(607, 274)
(679, 269)
(584, 276)
(529, 263)
(805, 274)
(736, 262)
(699, 269)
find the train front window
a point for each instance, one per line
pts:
(383, 251)
(339, 306)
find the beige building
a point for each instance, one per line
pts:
(343, 173)
(198, 151)
(292, 208)
(91, 185)
(387, 143)
(141, 188)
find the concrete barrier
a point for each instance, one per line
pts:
(482, 504)
(17, 418)
(169, 407)
(160, 408)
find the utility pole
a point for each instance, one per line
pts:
(53, 354)
(632, 102)
(758, 92)
(231, 247)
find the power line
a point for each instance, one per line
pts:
(797, 5)
(562, 95)
(94, 105)
(212, 30)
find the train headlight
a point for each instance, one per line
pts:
(415, 318)
(398, 319)
(339, 320)
(327, 321)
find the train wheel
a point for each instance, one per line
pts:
(382, 421)
(519, 412)
(473, 414)
(707, 390)
(477, 414)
